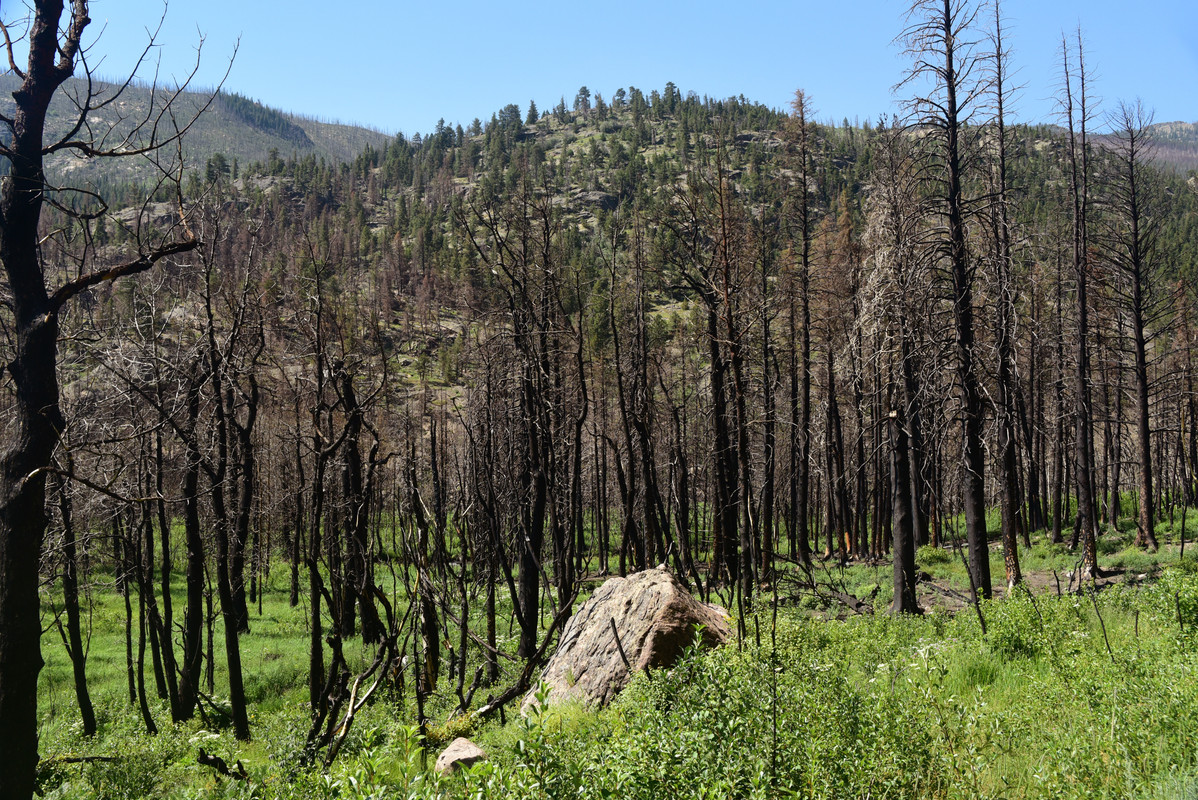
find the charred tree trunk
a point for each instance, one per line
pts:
(36, 418)
(725, 564)
(356, 493)
(218, 475)
(243, 496)
(1078, 155)
(800, 350)
(193, 616)
(1004, 322)
(1060, 499)
(166, 620)
(1135, 244)
(70, 593)
(533, 513)
(903, 531)
(937, 41)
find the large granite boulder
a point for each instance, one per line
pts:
(640, 622)
(461, 753)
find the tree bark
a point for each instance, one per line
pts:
(70, 592)
(903, 531)
(37, 420)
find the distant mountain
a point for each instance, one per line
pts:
(1177, 144)
(233, 126)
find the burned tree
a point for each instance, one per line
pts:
(937, 40)
(1077, 116)
(1131, 243)
(55, 49)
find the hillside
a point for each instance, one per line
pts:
(1175, 145)
(236, 127)
(335, 471)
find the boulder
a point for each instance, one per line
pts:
(461, 753)
(640, 622)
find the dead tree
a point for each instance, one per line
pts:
(1130, 237)
(938, 41)
(799, 334)
(1004, 320)
(1077, 116)
(54, 52)
(898, 293)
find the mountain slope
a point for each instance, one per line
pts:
(1177, 144)
(234, 126)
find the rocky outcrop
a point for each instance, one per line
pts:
(461, 753)
(640, 622)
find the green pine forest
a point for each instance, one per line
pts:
(313, 439)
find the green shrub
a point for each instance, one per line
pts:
(930, 555)
(127, 777)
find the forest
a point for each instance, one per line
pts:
(307, 463)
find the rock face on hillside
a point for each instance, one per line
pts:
(649, 616)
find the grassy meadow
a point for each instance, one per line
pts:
(1085, 694)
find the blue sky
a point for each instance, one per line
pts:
(400, 66)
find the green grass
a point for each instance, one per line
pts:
(927, 707)
(868, 706)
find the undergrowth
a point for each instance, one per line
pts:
(1085, 695)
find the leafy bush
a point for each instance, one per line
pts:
(755, 723)
(930, 555)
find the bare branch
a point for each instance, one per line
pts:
(12, 63)
(74, 287)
